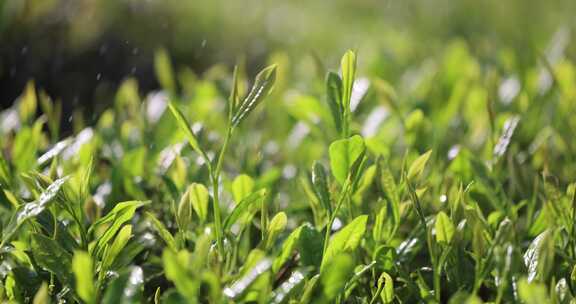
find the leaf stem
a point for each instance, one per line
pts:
(215, 174)
(341, 200)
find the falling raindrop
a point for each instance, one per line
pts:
(203, 45)
(98, 76)
(135, 51)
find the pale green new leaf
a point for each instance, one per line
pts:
(242, 186)
(444, 228)
(386, 285)
(243, 208)
(83, 269)
(276, 226)
(418, 165)
(343, 155)
(162, 231)
(199, 198)
(345, 240)
(262, 87)
(185, 127)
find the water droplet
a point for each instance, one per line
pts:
(203, 44)
(135, 51)
(98, 76)
(133, 70)
(25, 50)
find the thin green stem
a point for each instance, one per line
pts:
(341, 200)
(215, 174)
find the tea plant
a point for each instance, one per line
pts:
(344, 190)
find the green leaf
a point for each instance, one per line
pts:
(234, 98)
(386, 285)
(320, 183)
(162, 231)
(28, 103)
(118, 244)
(51, 256)
(242, 186)
(345, 240)
(128, 288)
(83, 269)
(163, 69)
(310, 246)
(243, 208)
(444, 228)
(343, 154)
(348, 67)
(32, 209)
(539, 257)
(185, 127)
(418, 165)
(277, 225)
(42, 295)
(333, 279)
(391, 191)
(334, 92)
(120, 214)
(199, 198)
(288, 247)
(175, 267)
(532, 293)
(262, 87)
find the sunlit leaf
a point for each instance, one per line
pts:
(260, 89)
(162, 231)
(343, 154)
(243, 207)
(185, 127)
(32, 209)
(444, 228)
(334, 93)
(83, 269)
(386, 285)
(345, 240)
(418, 165)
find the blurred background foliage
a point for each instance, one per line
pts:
(81, 50)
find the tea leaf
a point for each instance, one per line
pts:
(185, 127)
(163, 69)
(32, 209)
(320, 183)
(334, 89)
(343, 154)
(444, 228)
(345, 240)
(162, 231)
(262, 87)
(243, 207)
(83, 269)
(386, 285)
(199, 199)
(48, 254)
(418, 165)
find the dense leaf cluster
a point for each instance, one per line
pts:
(452, 185)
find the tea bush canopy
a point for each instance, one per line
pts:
(361, 177)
